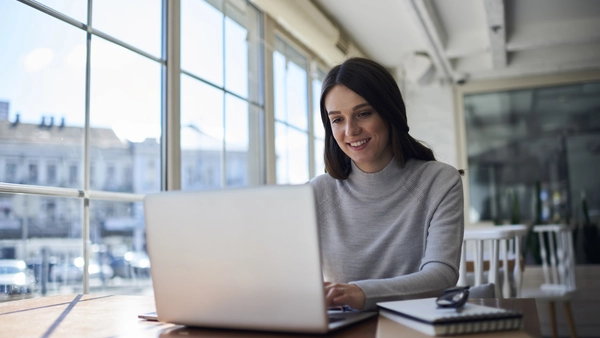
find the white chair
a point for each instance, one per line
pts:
(503, 244)
(558, 265)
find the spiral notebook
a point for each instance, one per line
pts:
(423, 315)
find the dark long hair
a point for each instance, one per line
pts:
(376, 85)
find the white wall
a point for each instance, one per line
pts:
(430, 112)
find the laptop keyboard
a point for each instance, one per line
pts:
(335, 319)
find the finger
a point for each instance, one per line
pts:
(334, 295)
(333, 292)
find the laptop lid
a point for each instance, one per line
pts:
(243, 258)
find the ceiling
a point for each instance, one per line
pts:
(470, 40)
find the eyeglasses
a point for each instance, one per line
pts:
(454, 297)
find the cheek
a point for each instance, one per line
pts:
(338, 133)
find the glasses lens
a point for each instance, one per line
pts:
(453, 298)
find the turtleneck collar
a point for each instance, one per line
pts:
(380, 183)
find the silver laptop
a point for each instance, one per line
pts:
(243, 258)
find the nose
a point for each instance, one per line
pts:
(352, 128)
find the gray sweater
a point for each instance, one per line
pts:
(396, 233)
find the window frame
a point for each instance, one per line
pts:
(274, 30)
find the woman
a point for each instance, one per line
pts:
(391, 217)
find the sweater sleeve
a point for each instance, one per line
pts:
(440, 259)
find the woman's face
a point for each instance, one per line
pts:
(358, 129)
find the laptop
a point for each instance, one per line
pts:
(240, 258)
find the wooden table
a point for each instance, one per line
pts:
(116, 316)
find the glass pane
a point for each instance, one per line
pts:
(279, 76)
(125, 119)
(236, 51)
(119, 262)
(290, 86)
(202, 39)
(135, 22)
(297, 96)
(42, 98)
(77, 9)
(242, 49)
(531, 150)
(319, 157)
(38, 235)
(236, 141)
(318, 128)
(201, 135)
(282, 153)
(291, 149)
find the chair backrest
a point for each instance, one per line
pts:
(558, 260)
(503, 244)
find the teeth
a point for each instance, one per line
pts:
(359, 143)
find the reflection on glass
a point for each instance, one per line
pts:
(201, 135)
(531, 153)
(41, 97)
(77, 9)
(125, 119)
(202, 39)
(38, 234)
(135, 22)
(291, 149)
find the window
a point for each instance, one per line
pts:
(32, 178)
(290, 71)
(533, 153)
(74, 175)
(84, 114)
(48, 90)
(10, 172)
(221, 104)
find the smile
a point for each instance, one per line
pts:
(359, 143)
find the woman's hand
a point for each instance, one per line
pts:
(338, 294)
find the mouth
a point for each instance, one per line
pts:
(359, 143)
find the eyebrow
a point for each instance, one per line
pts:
(353, 109)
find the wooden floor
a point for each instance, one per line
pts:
(585, 304)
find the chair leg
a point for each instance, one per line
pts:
(567, 307)
(552, 319)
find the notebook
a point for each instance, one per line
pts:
(239, 258)
(424, 315)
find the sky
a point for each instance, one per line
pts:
(42, 66)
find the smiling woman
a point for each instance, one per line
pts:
(358, 129)
(391, 216)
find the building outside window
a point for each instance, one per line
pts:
(32, 177)
(51, 174)
(10, 172)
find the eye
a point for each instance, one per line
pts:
(335, 120)
(364, 113)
